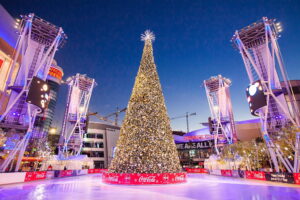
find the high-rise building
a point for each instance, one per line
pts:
(43, 121)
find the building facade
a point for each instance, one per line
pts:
(295, 87)
(43, 121)
(196, 146)
(194, 153)
(99, 143)
(8, 39)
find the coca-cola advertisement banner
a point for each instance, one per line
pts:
(33, 176)
(280, 177)
(255, 175)
(297, 178)
(96, 171)
(50, 174)
(65, 173)
(196, 170)
(144, 179)
(226, 172)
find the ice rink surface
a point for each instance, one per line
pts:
(199, 186)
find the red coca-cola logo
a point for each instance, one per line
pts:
(258, 176)
(113, 178)
(127, 178)
(180, 178)
(148, 179)
(166, 177)
(42, 175)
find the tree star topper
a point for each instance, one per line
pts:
(148, 35)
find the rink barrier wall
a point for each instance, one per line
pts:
(20, 177)
(280, 177)
(255, 175)
(292, 178)
(196, 170)
(143, 178)
(35, 176)
(297, 178)
(9, 178)
(226, 172)
(96, 171)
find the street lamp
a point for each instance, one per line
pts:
(52, 131)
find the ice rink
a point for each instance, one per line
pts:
(199, 186)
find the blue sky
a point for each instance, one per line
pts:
(192, 44)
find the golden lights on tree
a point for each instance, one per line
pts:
(146, 144)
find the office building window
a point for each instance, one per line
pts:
(100, 136)
(89, 135)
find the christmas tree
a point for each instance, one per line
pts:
(146, 144)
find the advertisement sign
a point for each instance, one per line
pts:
(297, 178)
(215, 172)
(79, 172)
(50, 174)
(226, 172)
(65, 173)
(195, 145)
(103, 170)
(280, 177)
(197, 170)
(82, 172)
(238, 173)
(198, 137)
(144, 179)
(96, 171)
(33, 176)
(255, 175)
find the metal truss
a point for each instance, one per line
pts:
(260, 52)
(218, 96)
(36, 46)
(79, 95)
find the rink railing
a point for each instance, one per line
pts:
(293, 178)
(20, 177)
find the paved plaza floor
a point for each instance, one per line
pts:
(199, 186)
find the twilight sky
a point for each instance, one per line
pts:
(192, 44)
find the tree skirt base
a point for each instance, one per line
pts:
(143, 179)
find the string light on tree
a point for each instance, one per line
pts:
(146, 144)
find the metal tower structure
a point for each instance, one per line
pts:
(74, 124)
(218, 96)
(257, 44)
(36, 46)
